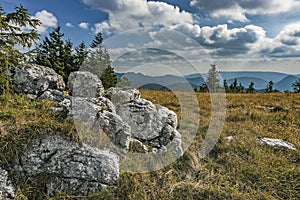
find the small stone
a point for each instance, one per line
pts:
(175, 145)
(277, 143)
(137, 146)
(229, 139)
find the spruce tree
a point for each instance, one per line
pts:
(125, 82)
(80, 56)
(226, 87)
(12, 33)
(57, 54)
(269, 88)
(97, 41)
(241, 88)
(234, 86)
(68, 59)
(98, 62)
(251, 88)
(213, 81)
(108, 78)
(50, 52)
(296, 86)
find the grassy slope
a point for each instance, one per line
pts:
(237, 170)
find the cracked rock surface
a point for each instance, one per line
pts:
(85, 84)
(99, 115)
(119, 96)
(33, 80)
(69, 168)
(152, 125)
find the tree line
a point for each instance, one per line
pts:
(59, 55)
(18, 29)
(213, 84)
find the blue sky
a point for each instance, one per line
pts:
(253, 35)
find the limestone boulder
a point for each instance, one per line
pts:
(99, 115)
(147, 121)
(85, 84)
(152, 125)
(119, 96)
(67, 166)
(33, 80)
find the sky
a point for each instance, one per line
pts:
(185, 35)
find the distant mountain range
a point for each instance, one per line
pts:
(282, 81)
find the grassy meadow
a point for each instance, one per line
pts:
(235, 169)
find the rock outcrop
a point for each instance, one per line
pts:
(119, 96)
(152, 125)
(53, 95)
(6, 188)
(68, 167)
(33, 80)
(98, 115)
(85, 84)
(119, 117)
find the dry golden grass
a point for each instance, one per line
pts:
(240, 169)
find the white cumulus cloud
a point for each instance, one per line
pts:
(103, 27)
(47, 19)
(68, 24)
(84, 25)
(290, 35)
(129, 14)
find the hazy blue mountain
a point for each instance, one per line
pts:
(139, 80)
(267, 76)
(281, 81)
(245, 81)
(286, 83)
(196, 80)
(192, 76)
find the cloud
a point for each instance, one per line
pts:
(192, 30)
(285, 44)
(84, 25)
(224, 41)
(239, 9)
(138, 13)
(47, 19)
(103, 27)
(221, 41)
(290, 35)
(68, 24)
(218, 40)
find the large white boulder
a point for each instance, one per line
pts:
(69, 167)
(33, 80)
(85, 84)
